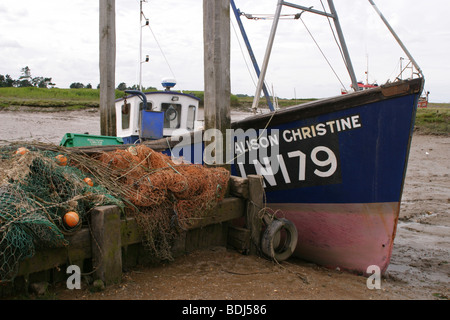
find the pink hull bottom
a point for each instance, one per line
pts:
(349, 236)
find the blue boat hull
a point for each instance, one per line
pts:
(336, 168)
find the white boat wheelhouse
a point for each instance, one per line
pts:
(166, 113)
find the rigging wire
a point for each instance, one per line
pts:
(243, 55)
(298, 17)
(160, 48)
(323, 54)
(246, 61)
(334, 36)
(397, 64)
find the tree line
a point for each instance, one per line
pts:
(27, 80)
(122, 86)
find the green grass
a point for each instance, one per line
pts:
(43, 98)
(246, 102)
(435, 119)
(90, 98)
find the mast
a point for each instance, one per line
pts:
(348, 61)
(140, 44)
(396, 38)
(333, 15)
(267, 56)
(237, 14)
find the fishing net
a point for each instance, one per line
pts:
(37, 189)
(168, 196)
(35, 193)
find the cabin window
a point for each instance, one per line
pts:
(172, 115)
(149, 106)
(191, 118)
(126, 116)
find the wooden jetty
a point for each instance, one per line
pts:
(111, 243)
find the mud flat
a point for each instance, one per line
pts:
(421, 255)
(46, 126)
(420, 262)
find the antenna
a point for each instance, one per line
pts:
(141, 13)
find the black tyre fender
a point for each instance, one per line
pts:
(270, 242)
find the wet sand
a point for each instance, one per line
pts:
(420, 262)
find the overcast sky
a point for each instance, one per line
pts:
(60, 39)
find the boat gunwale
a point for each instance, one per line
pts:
(332, 104)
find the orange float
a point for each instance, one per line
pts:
(22, 150)
(71, 219)
(61, 160)
(89, 181)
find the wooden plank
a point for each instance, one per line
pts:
(130, 232)
(239, 187)
(209, 236)
(106, 244)
(239, 239)
(79, 249)
(229, 209)
(82, 247)
(254, 217)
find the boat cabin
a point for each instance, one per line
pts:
(154, 115)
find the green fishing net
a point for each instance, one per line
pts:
(37, 189)
(35, 193)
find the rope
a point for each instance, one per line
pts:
(298, 17)
(243, 56)
(245, 60)
(337, 43)
(162, 52)
(323, 54)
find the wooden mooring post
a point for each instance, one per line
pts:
(106, 244)
(216, 42)
(254, 214)
(107, 67)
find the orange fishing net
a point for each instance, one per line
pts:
(165, 191)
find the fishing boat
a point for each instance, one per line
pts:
(153, 115)
(362, 86)
(334, 168)
(342, 164)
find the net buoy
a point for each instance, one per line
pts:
(89, 181)
(61, 160)
(22, 150)
(71, 219)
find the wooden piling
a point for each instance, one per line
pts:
(107, 67)
(254, 214)
(216, 39)
(107, 244)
